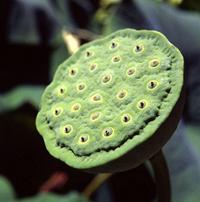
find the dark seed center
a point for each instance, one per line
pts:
(73, 72)
(67, 129)
(61, 90)
(142, 105)
(126, 118)
(113, 45)
(106, 79)
(138, 48)
(154, 63)
(81, 86)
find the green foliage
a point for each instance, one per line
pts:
(19, 96)
(160, 17)
(192, 131)
(50, 197)
(111, 91)
(7, 195)
(6, 191)
(184, 164)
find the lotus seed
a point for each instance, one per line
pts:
(96, 98)
(76, 107)
(130, 71)
(142, 104)
(116, 59)
(93, 67)
(106, 78)
(95, 116)
(126, 118)
(121, 94)
(62, 91)
(67, 129)
(154, 63)
(152, 84)
(83, 139)
(138, 48)
(58, 111)
(107, 132)
(88, 54)
(72, 72)
(81, 86)
(113, 45)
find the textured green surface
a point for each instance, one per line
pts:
(110, 96)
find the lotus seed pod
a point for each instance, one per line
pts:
(114, 103)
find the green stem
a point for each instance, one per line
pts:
(95, 184)
(162, 178)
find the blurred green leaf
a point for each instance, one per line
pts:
(59, 55)
(50, 197)
(32, 21)
(193, 134)
(184, 167)
(175, 2)
(7, 195)
(62, 13)
(6, 190)
(182, 28)
(35, 21)
(19, 96)
(126, 14)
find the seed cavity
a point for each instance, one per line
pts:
(61, 90)
(58, 111)
(73, 72)
(83, 139)
(67, 129)
(96, 98)
(130, 71)
(122, 94)
(107, 132)
(76, 107)
(152, 84)
(94, 116)
(138, 48)
(93, 67)
(142, 104)
(81, 87)
(154, 63)
(126, 118)
(106, 78)
(116, 59)
(113, 45)
(88, 54)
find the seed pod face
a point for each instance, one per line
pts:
(111, 97)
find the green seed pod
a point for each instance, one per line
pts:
(114, 103)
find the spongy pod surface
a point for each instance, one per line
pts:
(108, 104)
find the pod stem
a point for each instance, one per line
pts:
(161, 175)
(162, 178)
(98, 180)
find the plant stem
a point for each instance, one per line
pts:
(162, 178)
(95, 184)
